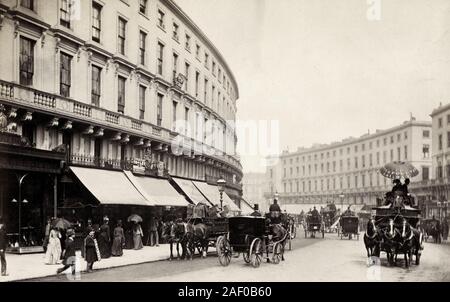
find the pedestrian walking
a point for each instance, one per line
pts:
(86, 232)
(91, 251)
(53, 253)
(137, 236)
(3, 244)
(69, 253)
(104, 239)
(118, 241)
(48, 227)
(154, 237)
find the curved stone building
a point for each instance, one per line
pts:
(117, 85)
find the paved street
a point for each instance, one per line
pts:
(329, 259)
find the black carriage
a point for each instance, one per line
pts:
(349, 226)
(215, 226)
(314, 224)
(250, 236)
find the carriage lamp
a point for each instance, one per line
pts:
(221, 186)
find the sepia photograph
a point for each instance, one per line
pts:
(224, 141)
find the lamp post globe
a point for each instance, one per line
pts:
(221, 186)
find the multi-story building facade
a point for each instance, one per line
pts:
(118, 85)
(347, 171)
(439, 186)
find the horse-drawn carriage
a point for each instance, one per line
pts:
(394, 229)
(348, 226)
(314, 224)
(255, 238)
(329, 217)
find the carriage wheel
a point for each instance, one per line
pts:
(224, 251)
(277, 253)
(256, 252)
(246, 256)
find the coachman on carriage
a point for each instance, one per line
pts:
(394, 229)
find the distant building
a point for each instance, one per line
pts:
(254, 185)
(348, 171)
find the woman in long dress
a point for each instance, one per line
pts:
(104, 239)
(53, 253)
(91, 251)
(137, 236)
(118, 241)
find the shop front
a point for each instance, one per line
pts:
(28, 191)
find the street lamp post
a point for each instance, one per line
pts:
(221, 186)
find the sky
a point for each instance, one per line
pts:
(325, 70)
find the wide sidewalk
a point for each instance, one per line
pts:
(21, 267)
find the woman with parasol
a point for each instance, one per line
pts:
(137, 231)
(399, 170)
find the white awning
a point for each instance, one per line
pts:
(110, 187)
(213, 195)
(158, 191)
(245, 207)
(190, 190)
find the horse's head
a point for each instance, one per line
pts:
(391, 228)
(407, 232)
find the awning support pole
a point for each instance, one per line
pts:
(55, 196)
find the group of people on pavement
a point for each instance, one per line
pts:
(99, 242)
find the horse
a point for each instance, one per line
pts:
(407, 243)
(389, 242)
(174, 233)
(372, 239)
(278, 233)
(197, 237)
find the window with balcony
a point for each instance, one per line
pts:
(187, 68)
(159, 109)
(27, 4)
(121, 36)
(143, 6)
(175, 66)
(197, 80)
(96, 86)
(161, 16)
(65, 74)
(142, 90)
(186, 120)
(440, 142)
(197, 51)
(426, 150)
(205, 96)
(142, 47)
(64, 13)
(160, 58)
(96, 21)
(26, 61)
(121, 95)
(440, 122)
(174, 114)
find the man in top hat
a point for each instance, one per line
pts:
(3, 244)
(256, 212)
(275, 212)
(69, 253)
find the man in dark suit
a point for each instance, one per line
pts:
(3, 244)
(256, 212)
(69, 253)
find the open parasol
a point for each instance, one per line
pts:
(61, 223)
(399, 169)
(135, 218)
